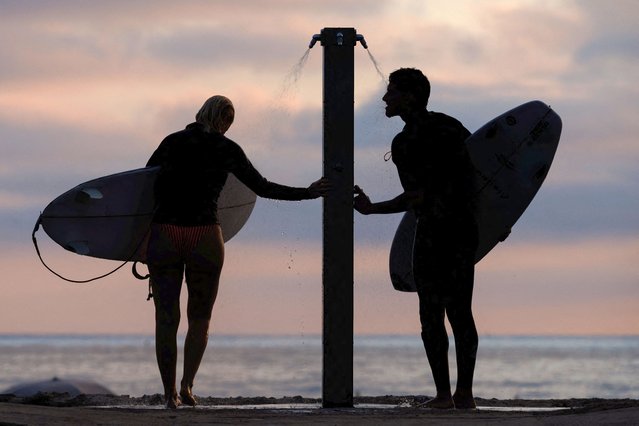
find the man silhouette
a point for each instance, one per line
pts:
(436, 174)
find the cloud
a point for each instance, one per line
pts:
(91, 89)
(604, 19)
(622, 47)
(70, 39)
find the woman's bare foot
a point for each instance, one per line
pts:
(464, 400)
(187, 396)
(440, 402)
(173, 401)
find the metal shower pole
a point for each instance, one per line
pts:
(337, 270)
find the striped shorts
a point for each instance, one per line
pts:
(185, 238)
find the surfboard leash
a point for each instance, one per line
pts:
(135, 273)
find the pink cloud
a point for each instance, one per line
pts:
(92, 90)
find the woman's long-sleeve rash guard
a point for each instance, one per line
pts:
(194, 167)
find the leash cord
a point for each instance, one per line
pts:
(134, 270)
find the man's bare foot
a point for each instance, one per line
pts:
(464, 400)
(187, 397)
(173, 401)
(444, 402)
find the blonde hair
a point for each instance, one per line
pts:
(216, 114)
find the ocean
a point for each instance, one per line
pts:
(276, 366)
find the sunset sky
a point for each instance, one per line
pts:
(90, 88)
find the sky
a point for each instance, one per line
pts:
(90, 88)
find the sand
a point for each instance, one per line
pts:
(61, 409)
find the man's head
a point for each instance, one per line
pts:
(408, 90)
(216, 114)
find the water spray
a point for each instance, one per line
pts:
(362, 41)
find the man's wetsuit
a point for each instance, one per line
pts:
(430, 155)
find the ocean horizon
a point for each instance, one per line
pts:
(508, 367)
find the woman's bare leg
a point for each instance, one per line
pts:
(194, 347)
(166, 296)
(166, 272)
(202, 278)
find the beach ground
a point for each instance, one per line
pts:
(61, 409)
